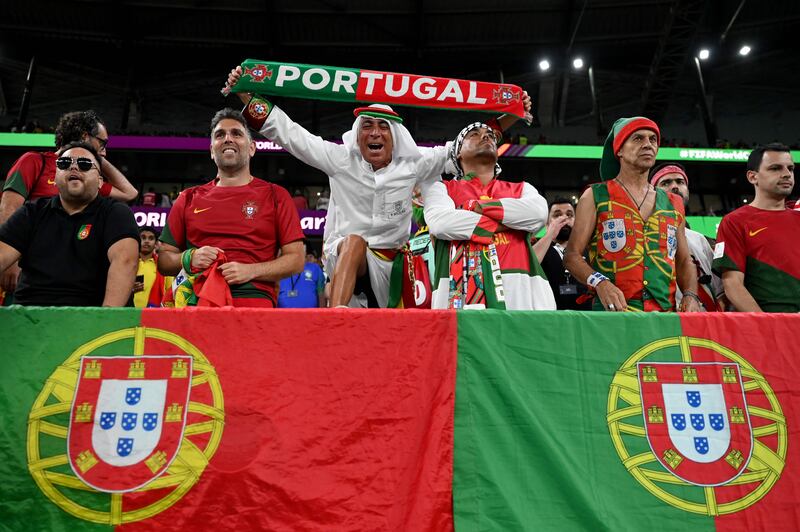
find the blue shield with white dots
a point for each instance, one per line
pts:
(698, 422)
(124, 446)
(693, 398)
(717, 421)
(678, 421)
(107, 420)
(129, 420)
(701, 445)
(150, 421)
(133, 396)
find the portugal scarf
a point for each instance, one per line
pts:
(316, 82)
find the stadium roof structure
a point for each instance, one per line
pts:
(159, 65)
(156, 68)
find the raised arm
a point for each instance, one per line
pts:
(121, 188)
(278, 127)
(506, 121)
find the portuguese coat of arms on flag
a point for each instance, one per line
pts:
(201, 419)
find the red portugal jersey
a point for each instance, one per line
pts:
(763, 245)
(249, 223)
(33, 175)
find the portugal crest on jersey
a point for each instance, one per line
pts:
(696, 419)
(127, 419)
(614, 237)
(249, 209)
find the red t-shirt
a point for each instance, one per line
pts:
(249, 223)
(763, 245)
(33, 175)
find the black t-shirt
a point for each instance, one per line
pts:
(565, 288)
(65, 257)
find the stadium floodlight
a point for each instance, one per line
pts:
(704, 54)
(577, 63)
(544, 65)
(744, 50)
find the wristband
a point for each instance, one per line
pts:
(595, 279)
(689, 293)
(186, 260)
(256, 112)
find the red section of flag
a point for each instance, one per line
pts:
(445, 93)
(764, 341)
(334, 420)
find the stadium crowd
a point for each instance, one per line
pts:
(68, 239)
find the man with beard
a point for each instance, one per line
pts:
(234, 226)
(77, 248)
(634, 232)
(757, 252)
(372, 175)
(672, 178)
(483, 227)
(550, 251)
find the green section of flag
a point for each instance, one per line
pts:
(533, 449)
(35, 342)
(296, 80)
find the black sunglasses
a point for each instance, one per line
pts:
(84, 163)
(103, 142)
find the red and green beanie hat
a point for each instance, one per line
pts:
(620, 131)
(378, 111)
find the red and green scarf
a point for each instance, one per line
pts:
(317, 82)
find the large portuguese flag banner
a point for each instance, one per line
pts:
(234, 419)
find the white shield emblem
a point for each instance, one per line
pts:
(672, 241)
(128, 420)
(614, 234)
(697, 420)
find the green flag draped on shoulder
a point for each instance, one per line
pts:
(317, 82)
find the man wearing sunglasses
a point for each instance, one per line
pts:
(33, 175)
(76, 248)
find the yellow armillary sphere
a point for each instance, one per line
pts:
(626, 423)
(48, 427)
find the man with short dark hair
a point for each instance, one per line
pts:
(550, 251)
(635, 232)
(148, 290)
(672, 177)
(483, 226)
(757, 253)
(77, 248)
(33, 175)
(233, 227)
